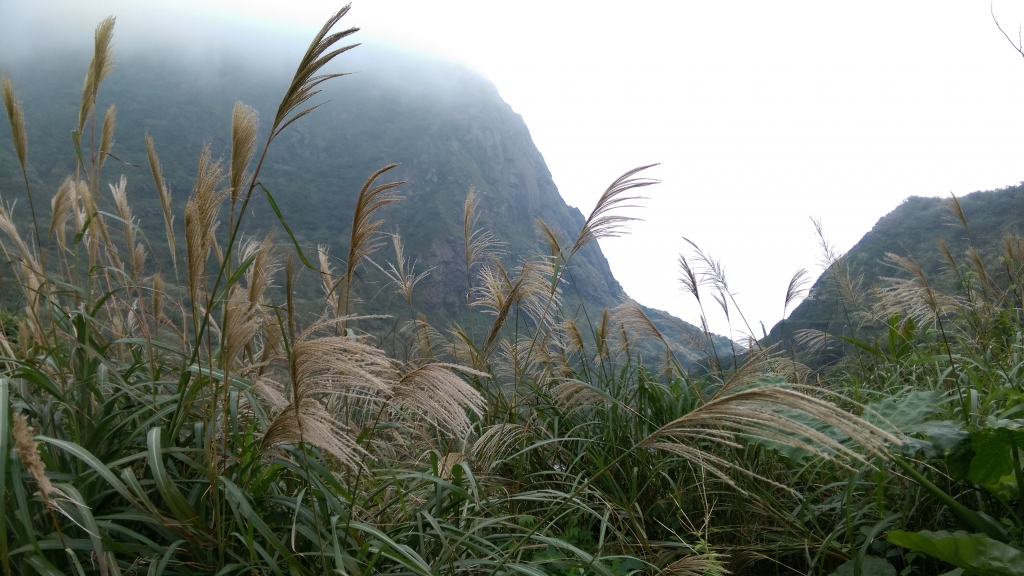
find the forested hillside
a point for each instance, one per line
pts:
(841, 298)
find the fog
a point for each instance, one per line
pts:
(762, 114)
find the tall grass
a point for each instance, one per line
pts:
(201, 425)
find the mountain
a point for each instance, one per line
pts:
(446, 127)
(913, 230)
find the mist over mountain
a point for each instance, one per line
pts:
(445, 126)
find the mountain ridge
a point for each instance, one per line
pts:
(911, 230)
(446, 127)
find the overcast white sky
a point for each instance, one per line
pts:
(761, 113)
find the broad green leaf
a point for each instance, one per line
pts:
(975, 553)
(993, 446)
(873, 566)
(897, 414)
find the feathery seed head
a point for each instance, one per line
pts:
(240, 324)
(201, 218)
(16, 117)
(635, 320)
(261, 272)
(107, 136)
(99, 67)
(244, 125)
(165, 197)
(403, 275)
(689, 278)
(62, 208)
(28, 453)
(797, 286)
(439, 395)
(28, 259)
(601, 223)
(371, 198)
(497, 443)
(304, 83)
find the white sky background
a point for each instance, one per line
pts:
(761, 113)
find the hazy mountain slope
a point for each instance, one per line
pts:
(913, 229)
(446, 127)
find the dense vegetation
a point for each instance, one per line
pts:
(188, 419)
(929, 231)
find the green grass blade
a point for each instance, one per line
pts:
(5, 432)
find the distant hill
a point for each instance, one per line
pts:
(446, 127)
(913, 229)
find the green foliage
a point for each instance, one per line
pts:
(975, 553)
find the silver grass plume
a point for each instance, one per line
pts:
(260, 274)
(24, 252)
(331, 295)
(914, 297)
(696, 565)
(99, 67)
(497, 443)
(242, 320)
(363, 240)
(244, 125)
(308, 421)
(828, 252)
(752, 407)
(240, 324)
(514, 360)
(550, 237)
(601, 223)
(813, 340)
(988, 286)
(442, 397)
(954, 207)
(403, 275)
(201, 218)
(125, 212)
(478, 244)
(450, 460)
(499, 292)
(16, 117)
(797, 287)
(165, 198)
(62, 209)
(637, 322)
(28, 453)
(574, 342)
(603, 336)
(306, 80)
(951, 260)
(425, 335)
(322, 368)
(689, 280)
(571, 393)
(106, 137)
(95, 223)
